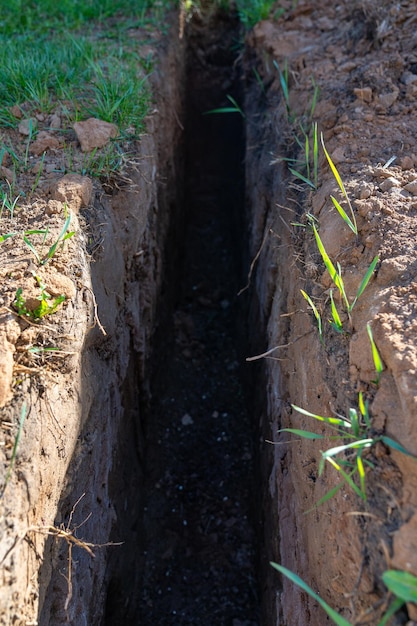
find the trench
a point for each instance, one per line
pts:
(196, 530)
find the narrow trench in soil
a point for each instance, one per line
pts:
(198, 524)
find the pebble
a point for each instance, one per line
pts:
(412, 187)
(389, 183)
(407, 163)
(28, 126)
(363, 192)
(187, 420)
(363, 93)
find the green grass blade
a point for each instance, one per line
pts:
(222, 110)
(379, 366)
(62, 236)
(301, 433)
(32, 249)
(402, 584)
(233, 101)
(314, 99)
(334, 274)
(336, 421)
(338, 619)
(283, 79)
(327, 496)
(315, 155)
(361, 472)
(364, 409)
(337, 322)
(354, 420)
(233, 109)
(395, 606)
(345, 217)
(348, 478)
(360, 444)
(365, 281)
(391, 443)
(259, 80)
(333, 168)
(340, 183)
(37, 231)
(362, 405)
(39, 350)
(326, 259)
(302, 177)
(4, 237)
(307, 154)
(316, 313)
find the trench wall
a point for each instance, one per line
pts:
(341, 548)
(294, 372)
(91, 432)
(126, 279)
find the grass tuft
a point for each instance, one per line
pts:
(346, 459)
(402, 584)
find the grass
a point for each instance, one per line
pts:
(336, 276)
(347, 459)
(348, 428)
(305, 168)
(316, 314)
(68, 58)
(350, 221)
(235, 108)
(352, 457)
(253, 11)
(335, 322)
(63, 236)
(8, 200)
(47, 304)
(379, 366)
(85, 78)
(402, 584)
(21, 16)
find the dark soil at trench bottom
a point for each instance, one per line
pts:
(199, 537)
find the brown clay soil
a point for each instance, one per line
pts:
(138, 429)
(362, 57)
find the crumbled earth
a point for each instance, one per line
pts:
(171, 473)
